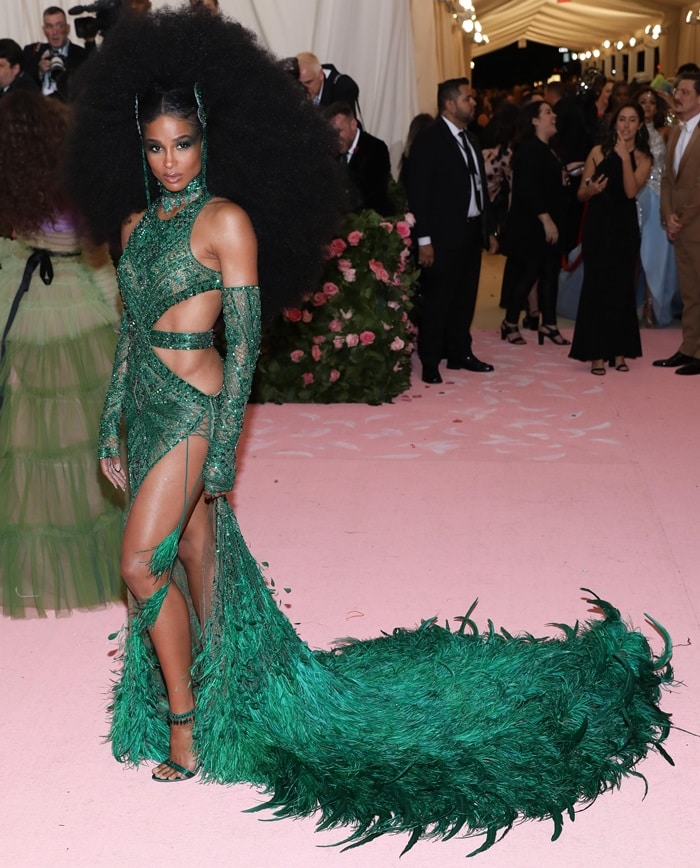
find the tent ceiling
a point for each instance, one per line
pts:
(577, 24)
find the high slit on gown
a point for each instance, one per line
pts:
(430, 731)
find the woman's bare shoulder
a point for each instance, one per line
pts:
(224, 213)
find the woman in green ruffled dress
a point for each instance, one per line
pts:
(224, 176)
(60, 523)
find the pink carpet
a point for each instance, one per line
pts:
(518, 487)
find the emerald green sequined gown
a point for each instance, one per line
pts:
(429, 732)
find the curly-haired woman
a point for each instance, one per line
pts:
(378, 735)
(59, 522)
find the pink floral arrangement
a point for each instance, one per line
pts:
(351, 338)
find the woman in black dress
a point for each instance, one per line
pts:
(606, 323)
(532, 227)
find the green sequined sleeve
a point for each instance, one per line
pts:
(241, 308)
(110, 421)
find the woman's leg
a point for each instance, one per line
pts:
(165, 501)
(196, 553)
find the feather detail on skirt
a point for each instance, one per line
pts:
(431, 732)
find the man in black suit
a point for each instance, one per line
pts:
(324, 84)
(448, 196)
(52, 63)
(11, 76)
(366, 158)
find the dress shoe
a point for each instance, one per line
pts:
(674, 361)
(470, 363)
(690, 369)
(431, 375)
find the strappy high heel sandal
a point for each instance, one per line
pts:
(554, 335)
(511, 333)
(186, 774)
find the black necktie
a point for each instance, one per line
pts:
(473, 171)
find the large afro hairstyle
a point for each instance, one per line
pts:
(268, 147)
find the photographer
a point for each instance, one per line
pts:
(52, 63)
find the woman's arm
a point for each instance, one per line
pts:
(633, 179)
(234, 244)
(591, 186)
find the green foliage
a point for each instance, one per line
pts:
(351, 340)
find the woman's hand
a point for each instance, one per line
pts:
(551, 232)
(593, 186)
(113, 470)
(621, 149)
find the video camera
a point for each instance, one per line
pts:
(106, 14)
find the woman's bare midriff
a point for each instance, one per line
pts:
(202, 369)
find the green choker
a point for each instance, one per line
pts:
(171, 200)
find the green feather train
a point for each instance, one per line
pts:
(429, 732)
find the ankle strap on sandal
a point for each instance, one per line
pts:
(181, 719)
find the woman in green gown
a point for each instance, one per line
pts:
(219, 171)
(60, 523)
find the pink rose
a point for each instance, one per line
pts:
(320, 339)
(346, 269)
(319, 299)
(394, 305)
(409, 218)
(307, 316)
(405, 253)
(338, 343)
(404, 317)
(315, 353)
(388, 226)
(336, 247)
(335, 325)
(355, 237)
(334, 375)
(297, 355)
(397, 344)
(308, 379)
(330, 289)
(366, 338)
(403, 229)
(352, 340)
(378, 270)
(293, 314)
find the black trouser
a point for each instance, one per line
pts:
(449, 289)
(541, 266)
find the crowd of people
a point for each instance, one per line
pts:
(570, 164)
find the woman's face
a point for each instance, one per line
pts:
(627, 125)
(648, 103)
(545, 123)
(173, 149)
(605, 92)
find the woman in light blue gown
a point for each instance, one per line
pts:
(657, 289)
